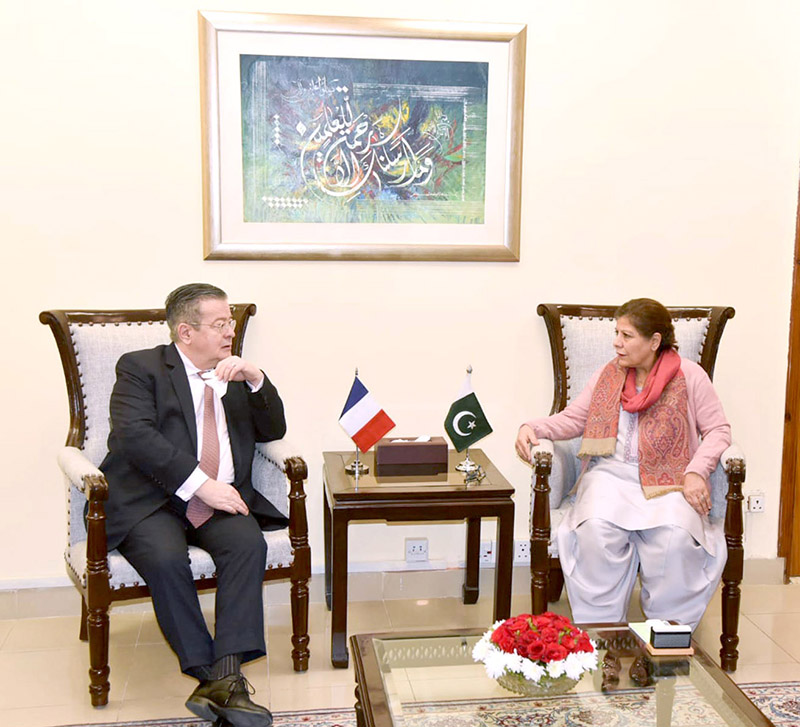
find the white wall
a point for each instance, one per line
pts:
(661, 151)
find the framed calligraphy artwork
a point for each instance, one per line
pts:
(360, 138)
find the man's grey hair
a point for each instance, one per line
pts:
(183, 304)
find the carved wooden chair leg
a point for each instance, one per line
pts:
(734, 567)
(555, 581)
(84, 632)
(297, 471)
(300, 638)
(98, 655)
(540, 532)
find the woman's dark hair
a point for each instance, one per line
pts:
(648, 316)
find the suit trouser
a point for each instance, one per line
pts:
(678, 577)
(158, 548)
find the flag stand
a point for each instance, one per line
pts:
(473, 472)
(357, 467)
(467, 465)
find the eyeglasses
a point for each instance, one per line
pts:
(220, 326)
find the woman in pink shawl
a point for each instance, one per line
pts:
(652, 431)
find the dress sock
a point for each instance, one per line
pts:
(226, 665)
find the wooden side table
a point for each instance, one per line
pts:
(414, 499)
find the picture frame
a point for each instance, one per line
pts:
(360, 138)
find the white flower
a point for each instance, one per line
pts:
(555, 668)
(588, 660)
(481, 649)
(495, 663)
(573, 667)
(532, 670)
(514, 662)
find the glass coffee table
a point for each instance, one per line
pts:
(422, 679)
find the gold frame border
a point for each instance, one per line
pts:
(215, 248)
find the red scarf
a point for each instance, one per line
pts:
(663, 410)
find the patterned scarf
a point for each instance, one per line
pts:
(663, 421)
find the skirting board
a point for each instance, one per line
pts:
(57, 597)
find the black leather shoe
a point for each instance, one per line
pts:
(228, 699)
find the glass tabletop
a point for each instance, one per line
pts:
(434, 680)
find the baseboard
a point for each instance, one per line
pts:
(366, 582)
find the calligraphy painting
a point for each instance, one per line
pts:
(363, 140)
(360, 138)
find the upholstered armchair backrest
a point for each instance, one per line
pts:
(581, 341)
(97, 350)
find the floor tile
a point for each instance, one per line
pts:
(59, 715)
(62, 632)
(755, 673)
(41, 603)
(65, 671)
(154, 708)
(427, 613)
(782, 628)
(316, 698)
(8, 605)
(755, 647)
(155, 674)
(30, 634)
(771, 599)
(368, 617)
(5, 630)
(279, 618)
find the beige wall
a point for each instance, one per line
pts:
(661, 151)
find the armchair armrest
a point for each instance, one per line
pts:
(89, 480)
(564, 472)
(285, 457)
(731, 453)
(731, 462)
(82, 474)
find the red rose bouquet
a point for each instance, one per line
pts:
(539, 649)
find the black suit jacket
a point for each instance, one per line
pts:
(153, 440)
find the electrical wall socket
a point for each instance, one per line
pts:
(755, 502)
(486, 553)
(416, 550)
(522, 552)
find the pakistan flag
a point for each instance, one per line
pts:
(466, 423)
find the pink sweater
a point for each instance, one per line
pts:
(706, 419)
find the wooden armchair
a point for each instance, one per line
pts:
(580, 342)
(90, 343)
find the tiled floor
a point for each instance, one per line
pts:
(43, 666)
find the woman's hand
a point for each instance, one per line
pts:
(696, 492)
(525, 439)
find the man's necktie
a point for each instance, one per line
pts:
(197, 512)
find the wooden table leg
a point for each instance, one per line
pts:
(470, 589)
(339, 657)
(326, 518)
(359, 708)
(504, 564)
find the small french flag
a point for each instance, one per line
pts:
(362, 418)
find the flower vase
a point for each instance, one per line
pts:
(547, 685)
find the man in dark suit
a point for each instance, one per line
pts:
(184, 422)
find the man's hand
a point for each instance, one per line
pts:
(221, 496)
(234, 368)
(525, 439)
(696, 492)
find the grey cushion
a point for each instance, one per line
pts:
(279, 554)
